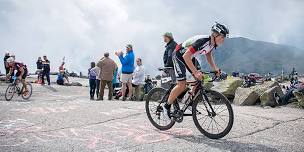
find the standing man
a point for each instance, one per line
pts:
(170, 47)
(107, 67)
(127, 69)
(46, 70)
(6, 56)
(138, 80)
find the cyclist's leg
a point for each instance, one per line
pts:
(180, 69)
(23, 81)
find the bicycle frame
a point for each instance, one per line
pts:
(199, 91)
(19, 91)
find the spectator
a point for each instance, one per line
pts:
(92, 80)
(60, 79)
(39, 68)
(46, 70)
(96, 69)
(7, 69)
(115, 80)
(170, 47)
(107, 67)
(285, 99)
(63, 72)
(138, 80)
(127, 70)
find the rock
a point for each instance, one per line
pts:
(250, 96)
(228, 86)
(76, 84)
(260, 89)
(267, 98)
(245, 97)
(300, 99)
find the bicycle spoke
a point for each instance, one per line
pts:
(223, 119)
(222, 111)
(219, 125)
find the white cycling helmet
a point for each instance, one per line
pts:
(10, 60)
(221, 29)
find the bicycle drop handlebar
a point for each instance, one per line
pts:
(210, 72)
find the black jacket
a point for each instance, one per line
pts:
(170, 47)
(39, 64)
(46, 66)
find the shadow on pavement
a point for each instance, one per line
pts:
(50, 88)
(224, 144)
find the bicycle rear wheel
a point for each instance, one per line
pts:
(213, 125)
(154, 109)
(29, 93)
(10, 92)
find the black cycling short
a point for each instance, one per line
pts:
(24, 75)
(180, 66)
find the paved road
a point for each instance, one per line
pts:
(63, 119)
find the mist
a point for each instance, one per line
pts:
(83, 30)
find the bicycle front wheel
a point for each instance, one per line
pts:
(10, 92)
(27, 95)
(155, 111)
(215, 124)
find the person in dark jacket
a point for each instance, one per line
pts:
(170, 47)
(46, 70)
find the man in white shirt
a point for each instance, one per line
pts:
(138, 80)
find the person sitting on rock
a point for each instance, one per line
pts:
(285, 99)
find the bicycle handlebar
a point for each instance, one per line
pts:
(210, 72)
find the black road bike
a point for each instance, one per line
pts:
(211, 111)
(14, 87)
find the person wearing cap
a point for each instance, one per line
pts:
(107, 68)
(168, 63)
(127, 69)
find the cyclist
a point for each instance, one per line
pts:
(194, 47)
(21, 72)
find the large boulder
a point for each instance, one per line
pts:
(250, 96)
(228, 87)
(267, 98)
(245, 97)
(260, 89)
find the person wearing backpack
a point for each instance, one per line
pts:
(92, 80)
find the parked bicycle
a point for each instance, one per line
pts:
(14, 87)
(211, 111)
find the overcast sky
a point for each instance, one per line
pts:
(82, 30)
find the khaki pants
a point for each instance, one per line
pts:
(103, 83)
(138, 91)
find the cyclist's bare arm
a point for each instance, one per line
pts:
(211, 62)
(9, 73)
(22, 72)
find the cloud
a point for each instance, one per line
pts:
(83, 30)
